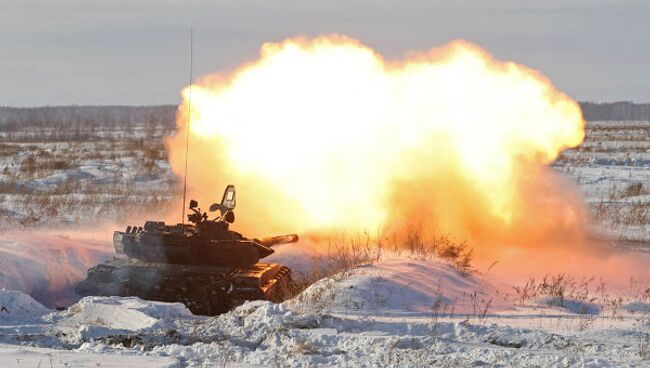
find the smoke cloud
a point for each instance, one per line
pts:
(322, 134)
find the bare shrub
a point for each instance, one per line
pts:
(342, 254)
(30, 220)
(480, 307)
(155, 152)
(421, 245)
(28, 165)
(553, 287)
(459, 254)
(634, 189)
(415, 243)
(304, 347)
(644, 347)
(56, 163)
(615, 214)
(9, 149)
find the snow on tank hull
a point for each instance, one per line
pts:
(205, 290)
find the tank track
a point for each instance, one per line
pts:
(205, 290)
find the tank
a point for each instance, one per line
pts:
(203, 264)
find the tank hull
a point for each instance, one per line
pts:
(205, 290)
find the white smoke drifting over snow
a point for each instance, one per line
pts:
(48, 265)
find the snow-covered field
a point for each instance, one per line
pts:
(612, 169)
(399, 311)
(394, 313)
(69, 178)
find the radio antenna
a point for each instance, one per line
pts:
(189, 114)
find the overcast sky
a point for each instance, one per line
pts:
(136, 52)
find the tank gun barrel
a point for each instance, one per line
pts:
(277, 240)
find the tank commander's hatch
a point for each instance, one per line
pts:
(228, 201)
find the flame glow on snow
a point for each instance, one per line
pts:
(324, 133)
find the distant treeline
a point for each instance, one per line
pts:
(113, 116)
(105, 116)
(616, 111)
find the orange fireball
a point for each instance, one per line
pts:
(325, 134)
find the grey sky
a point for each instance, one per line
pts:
(136, 52)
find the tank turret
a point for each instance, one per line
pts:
(203, 264)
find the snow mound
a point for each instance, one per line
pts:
(398, 286)
(256, 321)
(570, 305)
(637, 307)
(16, 303)
(94, 317)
